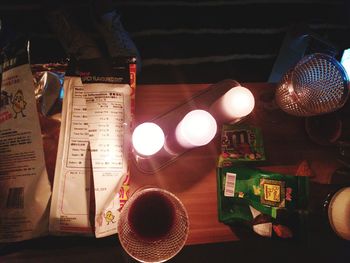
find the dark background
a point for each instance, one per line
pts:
(189, 42)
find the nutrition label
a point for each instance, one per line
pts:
(93, 147)
(70, 204)
(78, 151)
(108, 110)
(106, 131)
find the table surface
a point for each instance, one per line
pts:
(192, 176)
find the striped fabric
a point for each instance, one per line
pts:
(198, 41)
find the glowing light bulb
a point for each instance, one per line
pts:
(197, 128)
(148, 138)
(236, 103)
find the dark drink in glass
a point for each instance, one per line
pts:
(151, 216)
(153, 225)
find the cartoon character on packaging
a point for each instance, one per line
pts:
(109, 217)
(18, 103)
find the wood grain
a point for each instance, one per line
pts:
(192, 177)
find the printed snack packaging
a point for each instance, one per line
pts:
(48, 82)
(248, 194)
(24, 185)
(241, 143)
(92, 172)
(272, 204)
(108, 103)
(70, 204)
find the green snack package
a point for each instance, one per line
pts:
(242, 189)
(240, 143)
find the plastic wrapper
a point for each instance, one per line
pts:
(70, 204)
(48, 83)
(48, 89)
(24, 185)
(109, 99)
(253, 196)
(241, 143)
(92, 160)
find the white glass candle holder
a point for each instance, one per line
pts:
(235, 104)
(196, 129)
(173, 124)
(147, 139)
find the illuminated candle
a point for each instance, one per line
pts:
(197, 128)
(148, 138)
(235, 104)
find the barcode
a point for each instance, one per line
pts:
(230, 184)
(15, 198)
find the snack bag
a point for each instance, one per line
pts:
(48, 82)
(24, 185)
(241, 143)
(108, 98)
(248, 194)
(71, 199)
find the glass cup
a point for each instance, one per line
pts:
(153, 225)
(324, 129)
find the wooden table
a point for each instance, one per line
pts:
(192, 177)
